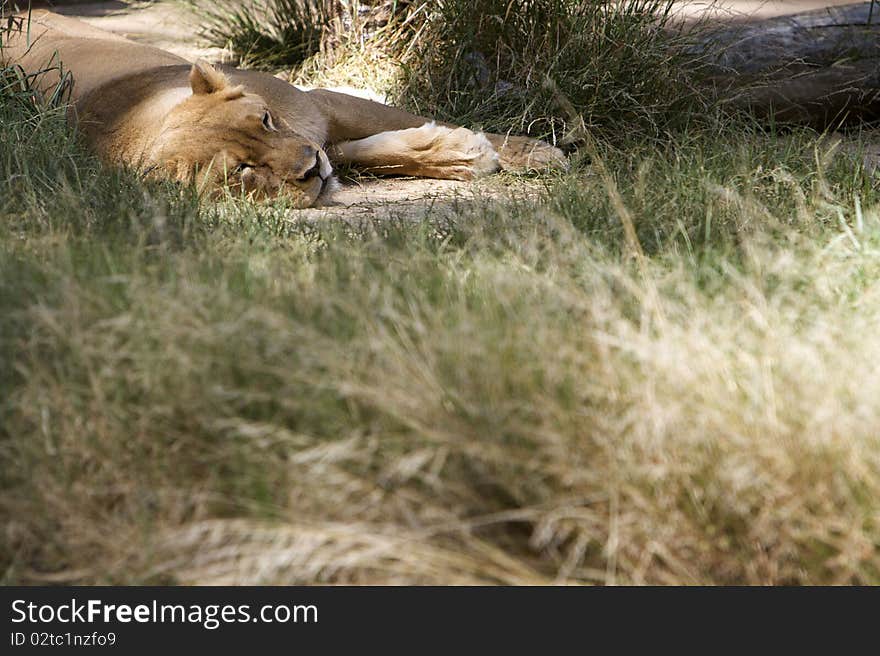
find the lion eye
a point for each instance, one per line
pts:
(267, 121)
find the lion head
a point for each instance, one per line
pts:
(223, 135)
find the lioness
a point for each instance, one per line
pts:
(146, 108)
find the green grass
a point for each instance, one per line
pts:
(201, 392)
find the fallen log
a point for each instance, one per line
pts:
(820, 68)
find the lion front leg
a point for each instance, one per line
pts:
(429, 151)
(367, 134)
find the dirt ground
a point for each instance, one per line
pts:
(172, 28)
(162, 24)
(745, 10)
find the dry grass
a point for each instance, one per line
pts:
(522, 407)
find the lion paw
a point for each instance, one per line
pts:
(527, 154)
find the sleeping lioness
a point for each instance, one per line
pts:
(145, 108)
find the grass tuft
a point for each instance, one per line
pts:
(555, 68)
(267, 34)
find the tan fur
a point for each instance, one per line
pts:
(428, 151)
(145, 108)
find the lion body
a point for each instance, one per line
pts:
(143, 107)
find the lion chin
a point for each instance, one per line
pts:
(258, 183)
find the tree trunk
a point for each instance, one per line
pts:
(820, 67)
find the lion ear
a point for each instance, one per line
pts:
(204, 78)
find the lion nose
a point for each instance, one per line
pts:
(313, 172)
(310, 153)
